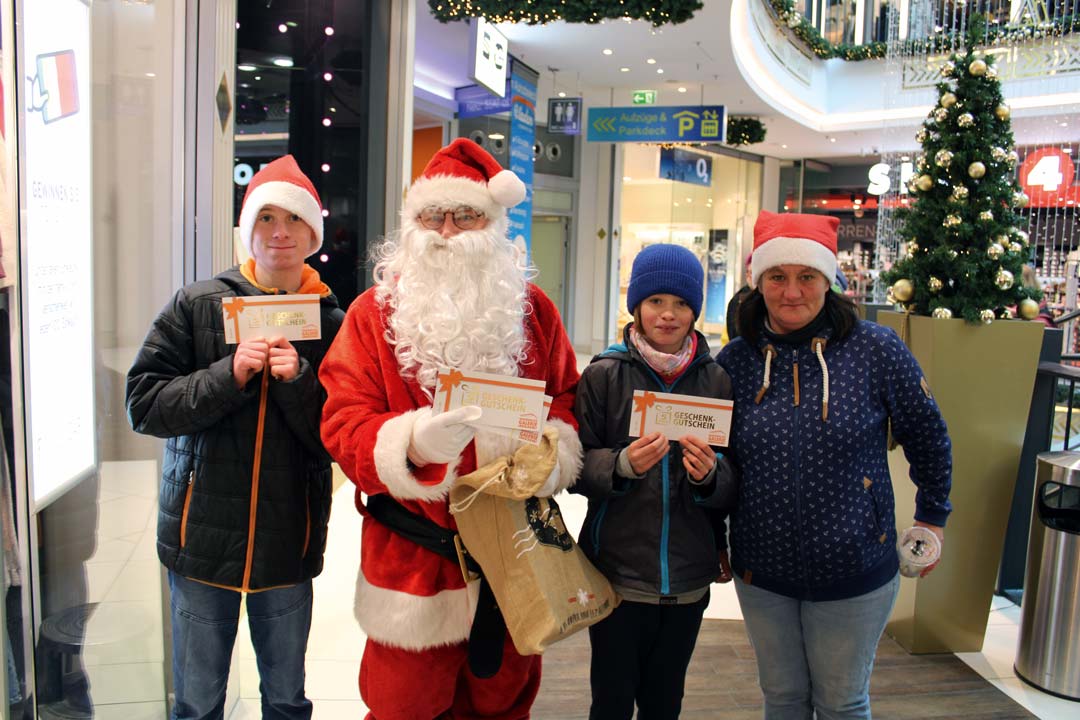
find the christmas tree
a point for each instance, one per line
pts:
(964, 247)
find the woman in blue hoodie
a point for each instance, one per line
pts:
(813, 536)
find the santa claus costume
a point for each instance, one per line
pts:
(463, 301)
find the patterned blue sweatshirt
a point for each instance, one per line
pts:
(815, 516)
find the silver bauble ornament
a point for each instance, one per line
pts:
(965, 120)
(1028, 308)
(951, 221)
(991, 72)
(1002, 112)
(1020, 199)
(1012, 158)
(986, 216)
(942, 313)
(943, 158)
(924, 182)
(1021, 235)
(1016, 247)
(935, 284)
(902, 289)
(995, 251)
(987, 316)
(948, 100)
(977, 68)
(1004, 279)
(998, 154)
(941, 114)
(948, 68)
(1001, 239)
(976, 170)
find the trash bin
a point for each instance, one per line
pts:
(1048, 654)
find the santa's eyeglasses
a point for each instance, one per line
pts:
(464, 217)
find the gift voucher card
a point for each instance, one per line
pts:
(509, 403)
(293, 317)
(679, 415)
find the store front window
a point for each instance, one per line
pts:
(702, 200)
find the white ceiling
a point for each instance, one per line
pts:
(696, 55)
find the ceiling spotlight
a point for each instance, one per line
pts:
(282, 28)
(283, 62)
(659, 71)
(784, 147)
(497, 136)
(624, 69)
(326, 122)
(1064, 124)
(607, 51)
(150, 75)
(328, 30)
(246, 67)
(562, 94)
(832, 139)
(326, 167)
(325, 213)
(327, 76)
(651, 61)
(258, 77)
(682, 89)
(626, 178)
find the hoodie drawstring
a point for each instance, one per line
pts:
(770, 353)
(818, 345)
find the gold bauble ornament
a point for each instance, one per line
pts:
(1020, 199)
(941, 114)
(1004, 279)
(948, 100)
(924, 182)
(1021, 235)
(1012, 158)
(1028, 308)
(976, 170)
(998, 154)
(942, 313)
(921, 163)
(995, 251)
(1016, 247)
(986, 216)
(1001, 239)
(935, 284)
(1002, 112)
(977, 68)
(943, 158)
(948, 68)
(965, 120)
(903, 290)
(987, 316)
(951, 221)
(912, 247)
(920, 136)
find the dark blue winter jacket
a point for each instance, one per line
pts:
(815, 515)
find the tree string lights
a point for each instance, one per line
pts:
(540, 12)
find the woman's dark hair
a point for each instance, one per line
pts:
(752, 313)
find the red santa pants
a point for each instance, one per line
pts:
(401, 684)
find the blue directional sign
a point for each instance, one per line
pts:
(677, 123)
(684, 166)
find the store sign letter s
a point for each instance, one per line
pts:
(879, 179)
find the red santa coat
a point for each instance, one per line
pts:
(407, 596)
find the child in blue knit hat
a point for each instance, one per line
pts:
(653, 500)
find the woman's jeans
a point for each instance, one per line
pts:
(815, 655)
(204, 622)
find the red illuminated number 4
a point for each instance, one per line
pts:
(1046, 173)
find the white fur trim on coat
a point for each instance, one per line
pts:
(286, 196)
(792, 251)
(571, 454)
(391, 444)
(414, 622)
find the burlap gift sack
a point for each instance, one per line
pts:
(545, 586)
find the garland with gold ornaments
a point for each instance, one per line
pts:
(539, 12)
(744, 130)
(785, 15)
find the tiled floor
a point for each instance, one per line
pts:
(336, 641)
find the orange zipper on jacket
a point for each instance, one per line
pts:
(255, 479)
(187, 506)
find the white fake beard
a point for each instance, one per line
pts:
(456, 302)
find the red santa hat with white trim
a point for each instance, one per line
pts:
(463, 173)
(283, 184)
(794, 239)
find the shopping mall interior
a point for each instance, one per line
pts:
(131, 130)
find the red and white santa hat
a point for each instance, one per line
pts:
(463, 173)
(794, 239)
(283, 184)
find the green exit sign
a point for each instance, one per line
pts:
(644, 97)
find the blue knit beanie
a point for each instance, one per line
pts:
(668, 269)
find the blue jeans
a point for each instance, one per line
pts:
(204, 622)
(815, 655)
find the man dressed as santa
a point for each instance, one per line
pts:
(451, 291)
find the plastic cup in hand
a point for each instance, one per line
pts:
(918, 548)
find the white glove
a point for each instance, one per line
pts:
(441, 438)
(548, 488)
